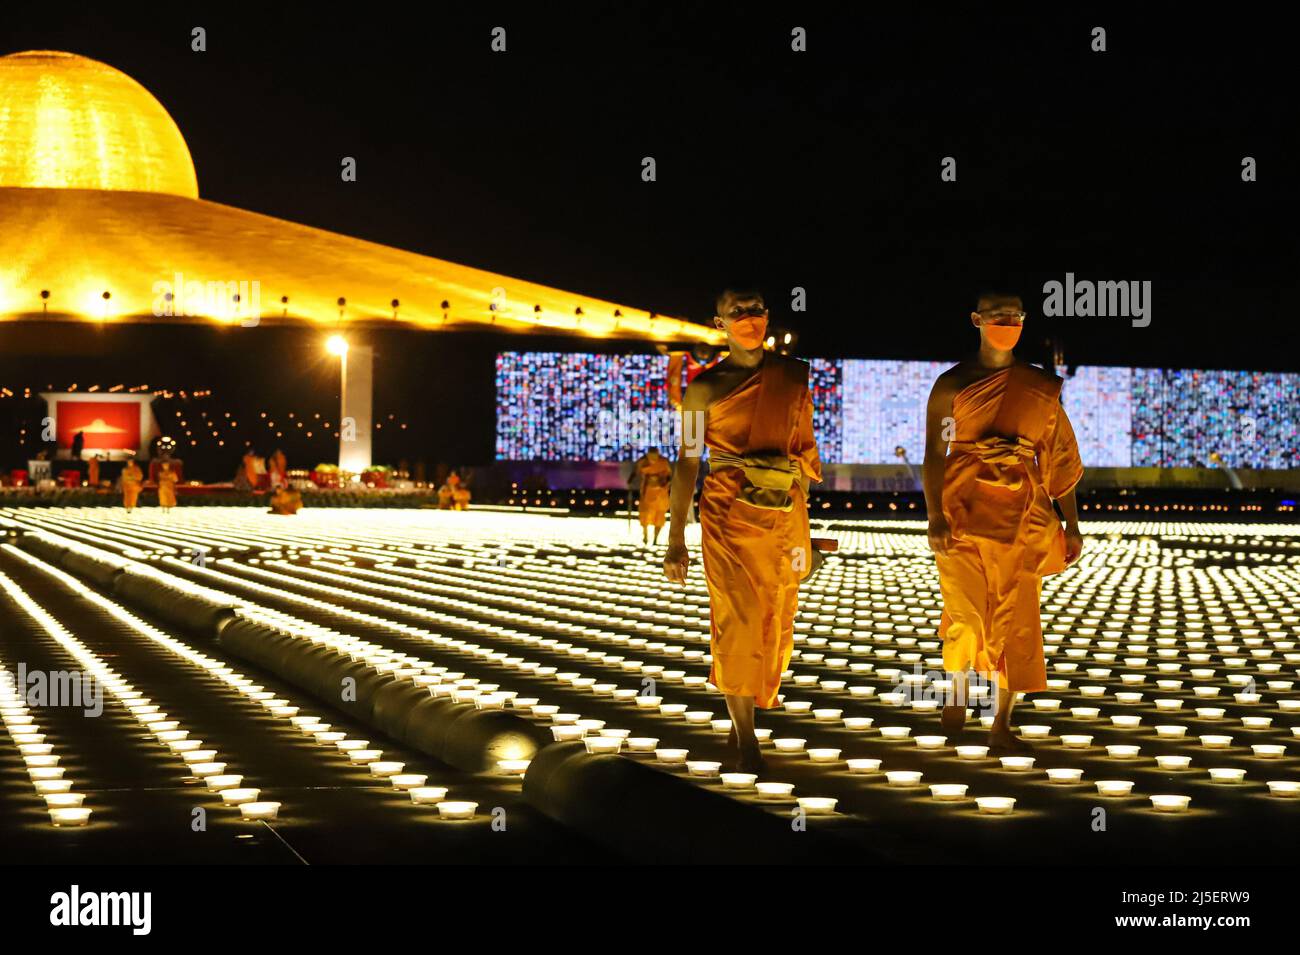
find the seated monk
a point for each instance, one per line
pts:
(285, 500)
(460, 493)
(999, 451)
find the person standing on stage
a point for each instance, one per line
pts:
(999, 452)
(754, 413)
(278, 467)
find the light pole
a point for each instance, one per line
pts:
(356, 382)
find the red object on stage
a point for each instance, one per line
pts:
(326, 478)
(178, 468)
(70, 478)
(105, 424)
(19, 477)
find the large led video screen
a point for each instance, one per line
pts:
(559, 406)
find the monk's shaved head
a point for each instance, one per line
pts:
(737, 295)
(992, 300)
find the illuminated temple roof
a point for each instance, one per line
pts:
(98, 194)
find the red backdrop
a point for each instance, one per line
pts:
(108, 425)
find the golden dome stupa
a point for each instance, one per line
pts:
(69, 122)
(101, 220)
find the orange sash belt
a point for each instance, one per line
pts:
(999, 453)
(1004, 458)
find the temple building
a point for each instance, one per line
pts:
(101, 221)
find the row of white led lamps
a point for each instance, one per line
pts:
(1224, 642)
(1280, 686)
(65, 807)
(123, 541)
(566, 726)
(1118, 751)
(202, 761)
(205, 763)
(944, 791)
(876, 616)
(595, 735)
(746, 781)
(1257, 652)
(180, 534)
(361, 525)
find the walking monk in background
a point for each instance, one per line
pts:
(652, 506)
(166, 486)
(754, 412)
(999, 450)
(132, 481)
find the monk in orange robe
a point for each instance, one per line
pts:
(999, 451)
(652, 506)
(460, 492)
(754, 412)
(461, 498)
(132, 481)
(166, 486)
(278, 466)
(285, 500)
(92, 472)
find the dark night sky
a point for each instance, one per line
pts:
(819, 170)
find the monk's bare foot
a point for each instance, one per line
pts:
(1003, 742)
(953, 719)
(751, 761)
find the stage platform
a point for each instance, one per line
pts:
(475, 637)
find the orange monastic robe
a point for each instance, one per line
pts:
(1014, 451)
(285, 501)
(653, 504)
(755, 557)
(166, 488)
(132, 480)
